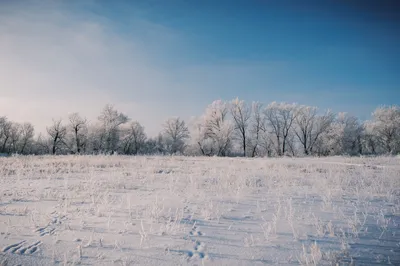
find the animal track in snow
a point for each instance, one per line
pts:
(51, 227)
(19, 248)
(195, 232)
(199, 246)
(13, 246)
(198, 252)
(45, 231)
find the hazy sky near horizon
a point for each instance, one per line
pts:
(156, 59)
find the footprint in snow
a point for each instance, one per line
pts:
(195, 232)
(198, 252)
(51, 227)
(20, 248)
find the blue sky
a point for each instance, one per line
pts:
(155, 59)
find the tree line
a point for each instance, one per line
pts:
(226, 128)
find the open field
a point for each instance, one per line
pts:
(117, 210)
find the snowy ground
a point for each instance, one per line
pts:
(119, 210)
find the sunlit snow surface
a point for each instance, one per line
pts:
(117, 210)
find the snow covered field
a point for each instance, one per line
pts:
(117, 210)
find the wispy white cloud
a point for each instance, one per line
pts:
(55, 61)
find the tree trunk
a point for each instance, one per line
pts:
(279, 146)
(3, 149)
(23, 148)
(253, 153)
(244, 145)
(283, 146)
(78, 148)
(55, 144)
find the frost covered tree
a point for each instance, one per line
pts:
(343, 136)
(370, 142)
(218, 128)
(57, 132)
(5, 133)
(280, 118)
(224, 129)
(152, 146)
(309, 126)
(200, 144)
(256, 129)
(134, 138)
(110, 123)
(349, 135)
(174, 135)
(94, 139)
(352, 135)
(27, 132)
(241, 114)
(212, 133)
(41, 145)
(79, 129)
(15, 135)
(385, 127)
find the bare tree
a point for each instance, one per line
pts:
(57, 133)
(42, 145)
(305, 121)
(134, 139)
(27, 133)
(3, 121)
(111, 121)
(266, 143)
(175, 133)
(15, 135)
(200, 143)
(256, 128)
(79, 130)
(280, 118)
(309, 126)
(291, 143)
(95, 138)
(241, 114)
(5, 133)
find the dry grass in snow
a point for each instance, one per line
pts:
(117, 210)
